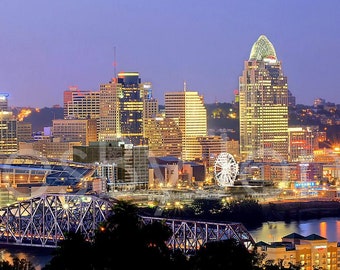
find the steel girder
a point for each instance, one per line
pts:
(44, 220)
(188, 235)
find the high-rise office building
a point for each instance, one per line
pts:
(8, 133)
(78, 130)
(128, 162)
(8, 128)
(24, 131)
(164, 137)
(79, 104)
(123, 102)
(131, 101)
(109, 128)
(263, 95)
(302, 143)
(187, 108)
(3, 102)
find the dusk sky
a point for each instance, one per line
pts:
(47, 46)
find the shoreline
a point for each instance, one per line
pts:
(300, 209)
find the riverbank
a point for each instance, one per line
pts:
(250, 212)
(300, 209)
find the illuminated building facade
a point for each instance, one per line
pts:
(164, 137)
(284, 174)
(150, 103)
(122, 105)
(263, 101)
(24, 131)
(8, 128)
(212, 146)
(131, 101)
(131, 162)
(187, 108)
(109, 128)
(77, 130)
(4, 102)
(80, 104)
(8, 133)
(302, 143)
(233, 148)
(310, 252)
(54, 149)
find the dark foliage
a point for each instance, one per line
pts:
(121, 240)
(18, 264)
(228, 254)
(67, 255)
(126, 241)
(246, 211)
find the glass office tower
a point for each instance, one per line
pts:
(263, 97)
(188, 109)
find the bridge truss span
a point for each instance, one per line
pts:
(43, 220)
(188, 235)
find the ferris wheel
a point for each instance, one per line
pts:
(225, 169)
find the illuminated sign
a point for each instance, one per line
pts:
(320, 248)
(304, 184)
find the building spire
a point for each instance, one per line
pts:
(185, 86)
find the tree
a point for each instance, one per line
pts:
(18, 264)
(227, 254)
(130, 241)
(121, 240)
(67, 255)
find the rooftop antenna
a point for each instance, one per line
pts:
(114, 62)
(185, 86)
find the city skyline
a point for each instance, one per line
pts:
(49, 46)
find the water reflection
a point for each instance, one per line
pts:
(274, 231)
(37, 256)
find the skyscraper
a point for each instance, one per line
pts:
(187, 108)
(8, 127)
(109, 128)
(8, 133)
(79, 104)
(131, 101)
(123, 102)
(263, 94)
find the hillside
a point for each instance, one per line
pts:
(221, 117)
(43, 117)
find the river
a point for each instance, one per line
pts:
(39, 257)
(274, 231)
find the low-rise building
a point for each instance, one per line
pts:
(309, 252)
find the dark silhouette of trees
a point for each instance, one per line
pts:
(74, 253)
(18, 264)
(228, 254)
(247, 211)
(123, 239)
(127, 236)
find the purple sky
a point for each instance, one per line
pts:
(47, 46)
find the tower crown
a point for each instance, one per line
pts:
(263, 50)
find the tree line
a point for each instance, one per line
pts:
(123, 241)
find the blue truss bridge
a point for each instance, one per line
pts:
(43, 221)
